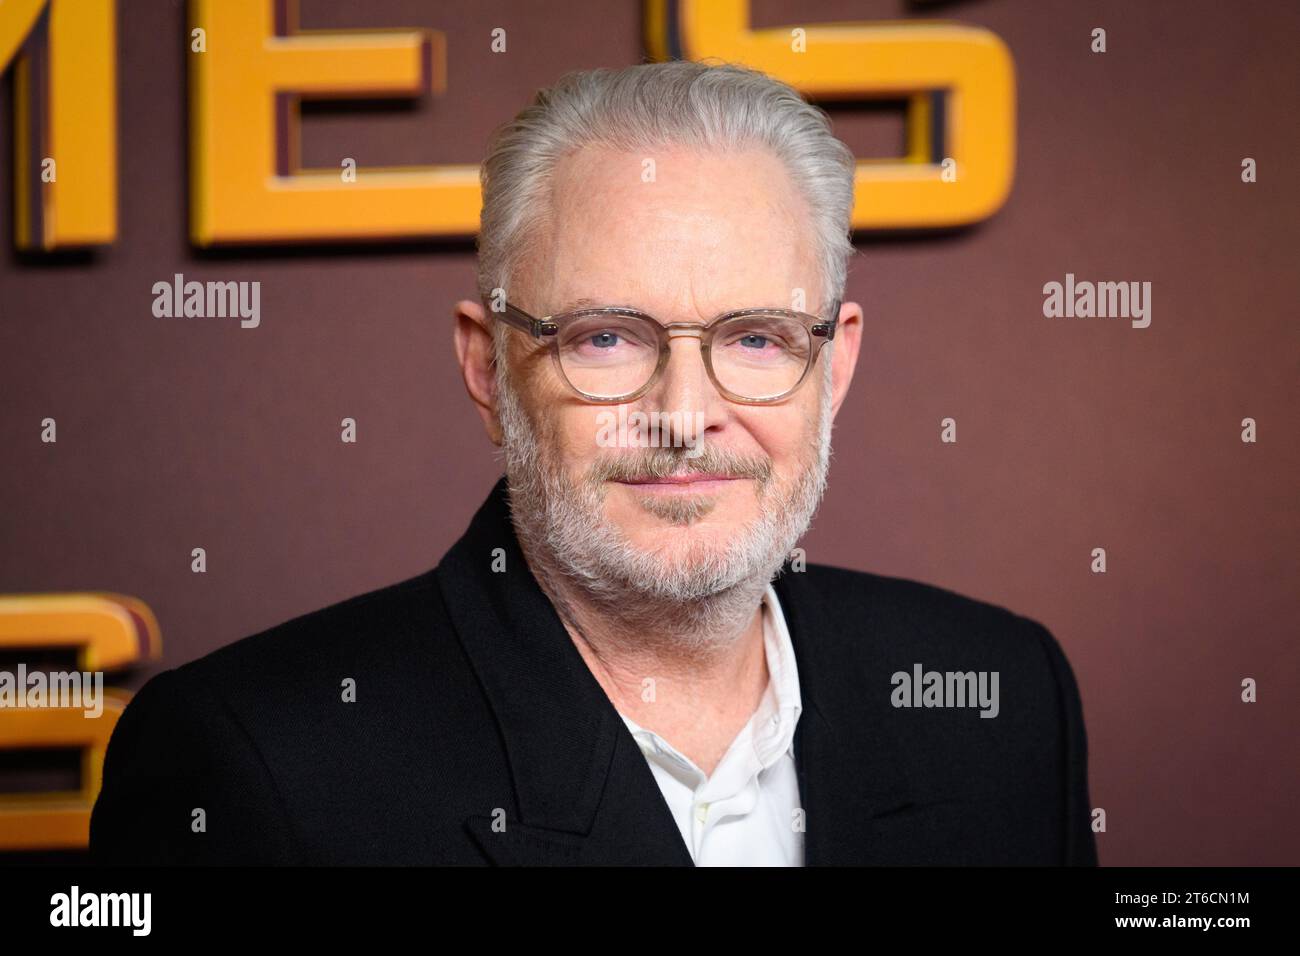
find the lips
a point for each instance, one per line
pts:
(690, 479)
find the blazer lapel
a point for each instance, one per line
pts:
(851, 772)
(584, 793)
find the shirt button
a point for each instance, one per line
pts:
(702, 812)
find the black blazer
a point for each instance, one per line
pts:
(471, 699)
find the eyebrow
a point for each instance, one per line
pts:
(585, 302)
(580, 303)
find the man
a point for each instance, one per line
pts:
(625, 660)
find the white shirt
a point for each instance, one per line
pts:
(745, 814)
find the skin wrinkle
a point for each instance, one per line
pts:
(788, 212)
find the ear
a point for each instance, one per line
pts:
(844, 353)
(477, 357)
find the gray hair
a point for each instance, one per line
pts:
(651, 105)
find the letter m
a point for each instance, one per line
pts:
(64, 56)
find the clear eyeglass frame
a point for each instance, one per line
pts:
(820, 331)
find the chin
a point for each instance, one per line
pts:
(682, 543)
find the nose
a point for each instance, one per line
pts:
(685, 385)
(685, 379)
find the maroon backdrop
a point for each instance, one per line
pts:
(177, 434)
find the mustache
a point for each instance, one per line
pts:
(667, 462)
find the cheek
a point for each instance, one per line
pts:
(564, 427)
(784, 435)
(575, 433)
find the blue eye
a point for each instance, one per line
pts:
(604, 340)
(753, 341)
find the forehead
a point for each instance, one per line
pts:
(675, 229)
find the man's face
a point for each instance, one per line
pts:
(711, 232)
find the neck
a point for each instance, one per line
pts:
(697, 663)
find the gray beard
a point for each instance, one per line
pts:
(696, 600)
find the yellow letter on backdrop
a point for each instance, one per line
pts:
(64, 54)
(107, 632)
(245, 87)
(959, 82)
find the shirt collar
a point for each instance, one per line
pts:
(782, 699)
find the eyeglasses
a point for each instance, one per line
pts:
(611, 355)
